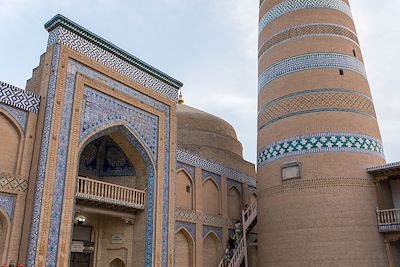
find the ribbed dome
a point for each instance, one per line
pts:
(212, 137)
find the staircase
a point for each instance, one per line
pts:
(249, 220)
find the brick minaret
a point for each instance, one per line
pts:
(317, 134)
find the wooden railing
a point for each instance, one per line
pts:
(388, 220)
(237, 257)
(109, 193)
(249, 215)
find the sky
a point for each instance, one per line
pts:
(209, 45)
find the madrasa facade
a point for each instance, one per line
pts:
(102, 164)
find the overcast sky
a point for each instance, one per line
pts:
(209, 45)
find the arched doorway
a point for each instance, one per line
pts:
(184, 248)
(110, 201)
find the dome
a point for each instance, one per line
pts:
(209, 136)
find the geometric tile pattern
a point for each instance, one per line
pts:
(310, 61)
(37, 204)
(232, 183)
(217, 230)
(215, 177)
(19, 98)
(66, 32)
(309, 101)
(99, 109)
(186, 167)
(308, 30)
(190, 227)
(7, 204)
(19, 115)
(319, 143)
(293, 5)
(212, 166)
(10, 182)
(193, 216)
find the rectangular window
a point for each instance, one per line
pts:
(341, 72)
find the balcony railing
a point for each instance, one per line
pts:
(388, 220)
(108, 193)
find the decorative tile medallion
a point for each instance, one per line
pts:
(212, 166)
(19, 115)
(308, 30)
(19, 98)
(318, 100)
(318, 143)
(216, 230)
(7, 203)
(307, 62)
(189, 227)
(293, 5)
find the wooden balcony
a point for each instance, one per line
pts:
(97, 193)
(388, 220)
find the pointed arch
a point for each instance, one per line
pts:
(11, 133)
(234, 203)
(184, 190)
(212, 249)
(150, 163)
(117, 262)
(184, 247)
(211, 197)
(5, 224)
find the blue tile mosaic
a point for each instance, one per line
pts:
(319, 143)
(232, 183)
(7, 203)
(293, 5)
(19, 98)
(216, 178)
(189, 227)
(34, 231)
(19, 115)
(307, 62)
(212, 166)
(186, 167)
(217, 230)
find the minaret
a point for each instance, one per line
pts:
(317, 134)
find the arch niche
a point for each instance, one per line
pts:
(184, 190)
(211, 199)
(184, 248)
(4, 229)
(211, 250)
(114, 154)
(234, 203)
(9, 142)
